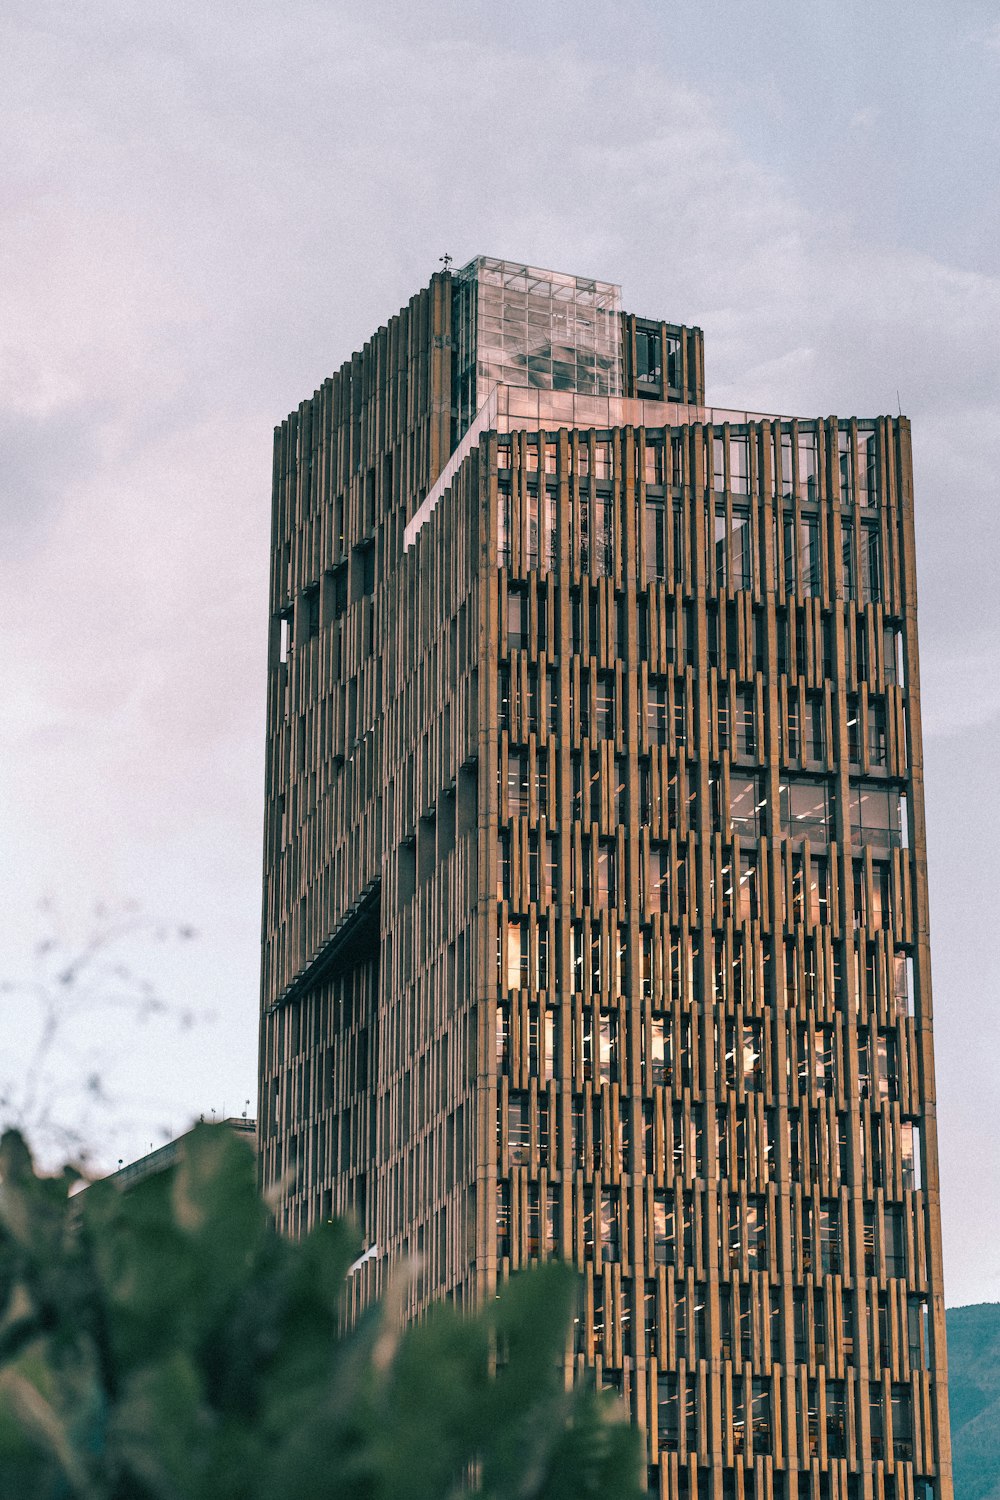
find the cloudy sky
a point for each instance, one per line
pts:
(208, 207)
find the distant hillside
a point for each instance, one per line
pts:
(974, 1397)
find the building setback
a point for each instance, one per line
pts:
(595, 895)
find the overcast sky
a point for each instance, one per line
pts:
(208, 207)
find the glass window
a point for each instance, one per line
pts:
(517, 955)
(680, 714)
(653, 462)
(518, 1130)
(815, 728)
(746, 805)
(503, 1219)
(668, 1422)
(742, 572)
(830, 1237)
(871, 566)
(678, 524)
(517, 619)
(517, 783)
(657, 712)
(673, 361)
(901, 1400)
(605, 706)
(739, 465)
(503, 865)
(749, 891)
(853, 729)
(892, 655)
(656, 541)
(661, 1051)
(606, 874)
(718, 464)
(503, 1038)
(836, 1419)
(607, 1059)
(746, 723)
(894, 1241)
(868, 466)
(756, 1227)
(503, 695)
(875, 815)
(658, 885)
(532, 519)
(787, 486)
(789, 553)
(648, 354)
(552, 696)
(876, 731)
(819, 889)
(846, 466)
(542, 782)
(722, 717)
(721, 549)
(805, 810)
(808, 481)
(809, 555)
(847, 571)
(609, 1227)
(582, 515)
(663, 1227)
(603, 560)
(760, 1418)
(676, 459)
(793, 726)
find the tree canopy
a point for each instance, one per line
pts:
(168, 1344)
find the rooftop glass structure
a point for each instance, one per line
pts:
(523, 326)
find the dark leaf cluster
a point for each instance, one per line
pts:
(168, 1344)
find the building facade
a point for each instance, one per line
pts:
(595, 893)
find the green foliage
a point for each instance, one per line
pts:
(167, 1344)
(974, 1399)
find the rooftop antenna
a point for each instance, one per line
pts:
(899, 404)
(445, 260)
(246, 1106)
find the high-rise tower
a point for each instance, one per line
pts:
(595, 908)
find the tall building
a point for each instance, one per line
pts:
(595, 895)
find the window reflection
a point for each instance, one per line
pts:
(875, 815)
(808, 468)
(805, 810)
(529, 327)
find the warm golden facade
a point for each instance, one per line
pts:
(595, 912)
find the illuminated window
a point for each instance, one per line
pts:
(746, 805)
(805, 810)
